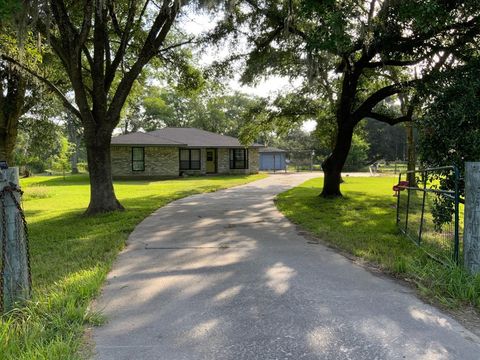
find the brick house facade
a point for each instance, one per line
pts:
(172, 152)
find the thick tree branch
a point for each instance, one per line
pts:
(371, 12)
(88, 56)
(380, 95)
(86, 24)
(47, 82)
(395, 62)
(162, 34)
(113, 16)
(260, 45)
(140, 15)
(112, 68)
(387, 119)
(71, 47)
(99, 99)
(156, 36)
(464, 30)
(296, 31)
(65, 27)
(174, 46)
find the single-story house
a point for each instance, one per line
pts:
(172, 152)
(272, 159)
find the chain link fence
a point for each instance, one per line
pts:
(429, 214)
(303, 160)
(392, 167)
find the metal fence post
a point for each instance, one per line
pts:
(424, 197)
(398, 199)
(471, 233)
(408, 209)
(457, 215)
(15, 283)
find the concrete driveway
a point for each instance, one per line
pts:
(225, 276)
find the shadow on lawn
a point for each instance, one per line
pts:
(360, 223)
(83, 179)
(355, 210)
(73, 242)
(77, 179)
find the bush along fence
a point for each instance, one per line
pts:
(431, 212)
(428, 210)
(15, 276)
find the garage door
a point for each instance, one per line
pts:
(270, 161)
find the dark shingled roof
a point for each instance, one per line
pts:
(190, 137)
(269, 149)
(140, 138)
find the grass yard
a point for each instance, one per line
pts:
(363, 224)
(71, 255)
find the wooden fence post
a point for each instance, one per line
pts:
(15, 266)
(471, 233)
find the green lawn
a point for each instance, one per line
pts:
(71, 255)
(363, 224)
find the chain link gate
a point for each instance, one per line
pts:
(428, 214)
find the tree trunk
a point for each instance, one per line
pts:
(333, 164)
(75, 138)
(8, 136)
(12, 101)
(74, 160)
(411, 156)
(102, 194)
(7, 143)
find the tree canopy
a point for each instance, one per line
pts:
(450, 126)
(358, 55)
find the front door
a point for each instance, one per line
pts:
(211, 161)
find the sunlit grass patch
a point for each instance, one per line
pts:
(36, 192)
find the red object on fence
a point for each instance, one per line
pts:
(400, 187)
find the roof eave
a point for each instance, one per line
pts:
(156, 145)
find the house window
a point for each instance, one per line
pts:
(189, 159)
(138, 159)
(238, 158)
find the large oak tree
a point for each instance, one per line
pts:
(346, 52)
(103, 46)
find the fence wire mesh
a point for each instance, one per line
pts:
(15, 272)
(428, 211)
(303, 160)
